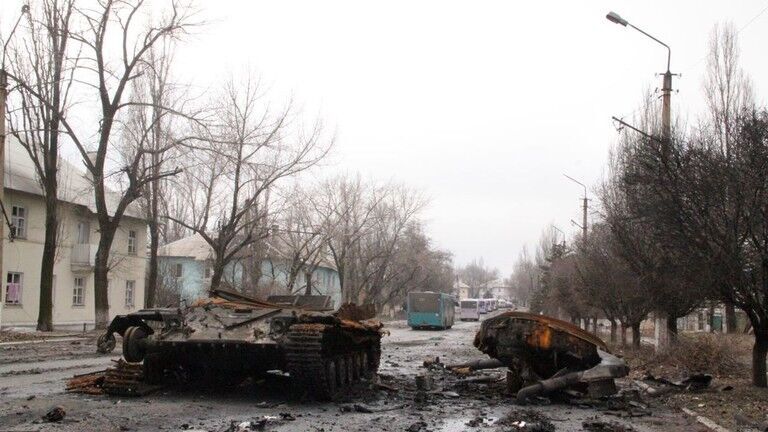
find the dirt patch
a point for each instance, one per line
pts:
(730, 400)
(719, 355)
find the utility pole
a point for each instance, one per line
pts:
(585, 206)
(666, 101)
(3, 100)
(666, 88)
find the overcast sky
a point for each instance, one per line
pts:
(481, 105)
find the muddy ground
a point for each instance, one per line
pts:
(32, 379)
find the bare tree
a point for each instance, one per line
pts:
(235, 162)
(45, 62)
(477, 275)
(150, 126)
(728, 91)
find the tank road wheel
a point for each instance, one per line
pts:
(357, 366)
(105, 343)
(153, 369)
(365, 369)
(374, 354)
(133, 344)
(342, 372)
(327, 382)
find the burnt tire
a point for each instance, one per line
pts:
(105, 344)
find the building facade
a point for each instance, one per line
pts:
(73, 289)
(185, 268)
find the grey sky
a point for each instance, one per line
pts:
(482, 105)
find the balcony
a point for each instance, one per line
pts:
(83, 257)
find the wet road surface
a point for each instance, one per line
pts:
(29, 389)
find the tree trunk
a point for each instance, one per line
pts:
(623, 334)
(45, 311)
(154, 245)
(636, 335)
(218, 274)
(759, 351)
(730, 318)
(101, 281)
(671, 329)
(614, 329)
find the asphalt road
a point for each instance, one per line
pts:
(29, 388)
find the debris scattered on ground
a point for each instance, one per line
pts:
(526, 420)
(417, 426)
(124, 379)
(55, 414)
(367, 409)
(692, 383)
(601, 426)
(433, 363)
(260, 423)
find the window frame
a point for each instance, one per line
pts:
(15, 219)
(20, 283)
(178, 270)
(75, 288)
(130, 287)
(133, 242)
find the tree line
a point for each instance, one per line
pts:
(230, 165)
(682, 223)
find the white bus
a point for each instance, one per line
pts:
(483, 305)
(470, 310)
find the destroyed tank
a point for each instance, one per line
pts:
(546, 354)
(228, 337)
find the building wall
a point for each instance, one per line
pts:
(193, 283)
(25, 255)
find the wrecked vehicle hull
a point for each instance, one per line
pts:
(545, 354)
(228, 337)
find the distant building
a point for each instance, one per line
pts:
(186, 265)
(461, 289)
(73, 301)
(497, 288)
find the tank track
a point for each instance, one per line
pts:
(323, 363)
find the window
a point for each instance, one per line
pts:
(83, 232)
(131, 242)
(13, 288)
(130, 287)
(178, 270)
(207, 271)
(78, 292)
(19, 222)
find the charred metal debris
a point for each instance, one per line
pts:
(544, 355)
(228, 337)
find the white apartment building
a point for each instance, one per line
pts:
(73, 292)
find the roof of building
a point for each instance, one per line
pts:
(194, 247)
(74, 185)
(197, 248)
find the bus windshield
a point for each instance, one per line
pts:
(425, 302)
(469, 304)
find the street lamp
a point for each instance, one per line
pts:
(666, 89)
(584, 216)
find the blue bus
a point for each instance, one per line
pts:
(430, 310)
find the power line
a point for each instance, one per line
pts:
(753, 19)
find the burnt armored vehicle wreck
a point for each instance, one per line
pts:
(544, 354)
(228, 337)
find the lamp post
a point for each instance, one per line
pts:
(666, 88)
(583, 225)
(3, 97)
